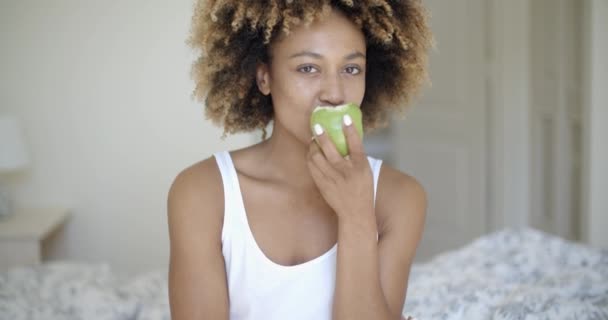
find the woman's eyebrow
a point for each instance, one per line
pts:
(306, 54)
(354, 55)
(350, 56)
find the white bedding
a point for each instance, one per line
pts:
(75, 291)
(522, 274)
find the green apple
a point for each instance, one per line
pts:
(331, 119)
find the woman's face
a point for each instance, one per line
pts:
(322, 64)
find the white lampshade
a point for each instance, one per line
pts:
(13, 153)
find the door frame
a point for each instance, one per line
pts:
(595, 112)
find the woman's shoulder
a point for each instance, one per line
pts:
(203, 175)
(197, 191)
(394, 179)
(399, 194)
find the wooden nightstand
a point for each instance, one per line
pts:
(22, 235)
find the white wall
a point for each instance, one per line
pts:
(103, 90)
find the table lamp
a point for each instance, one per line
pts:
(13, 157)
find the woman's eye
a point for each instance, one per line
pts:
(352, 70)
(307, 69)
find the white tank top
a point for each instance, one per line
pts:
(260, 288)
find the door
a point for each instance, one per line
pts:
(442, 141)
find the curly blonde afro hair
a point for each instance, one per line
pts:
(234, 37)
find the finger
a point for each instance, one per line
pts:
(353, 139)
(317, 158)
(327, 146)
(320, 180)
(313, 147)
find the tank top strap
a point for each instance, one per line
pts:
(375, 165)
(232, 191)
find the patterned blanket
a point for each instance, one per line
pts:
(512, 274)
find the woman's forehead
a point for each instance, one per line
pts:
(334, 34)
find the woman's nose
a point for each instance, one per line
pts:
(332, 90)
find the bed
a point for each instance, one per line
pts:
(511, 274)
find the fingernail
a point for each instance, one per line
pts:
(318, 129)
(348, 120)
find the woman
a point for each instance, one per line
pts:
(287, 228)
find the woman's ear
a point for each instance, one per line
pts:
(262, 77)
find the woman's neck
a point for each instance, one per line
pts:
(286, 156)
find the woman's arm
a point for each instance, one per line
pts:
(197, 276)
(403, 201)
(372, 275)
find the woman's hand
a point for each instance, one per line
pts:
(346, 183)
